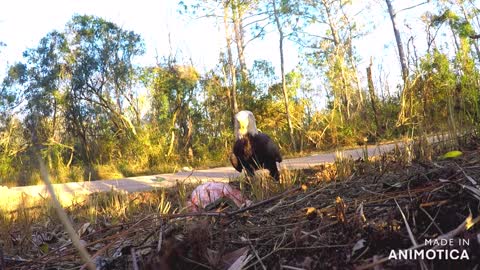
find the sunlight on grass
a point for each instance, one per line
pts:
(164, 206)
(289, 178)
(263, 186)
(182, 194)
(116, 206)
(343, 166)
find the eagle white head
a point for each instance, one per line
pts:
(245, 124)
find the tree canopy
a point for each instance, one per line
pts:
(80, 100)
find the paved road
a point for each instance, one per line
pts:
(69, 191)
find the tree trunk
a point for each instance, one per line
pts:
(282, 70)
(231, 66)
(344, 95)
(331, 24)
(351, 59)
(371, 90)
(172, 130)
(401, 52)
(237, 16)
(454, 36)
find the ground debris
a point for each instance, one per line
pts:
(348, 223)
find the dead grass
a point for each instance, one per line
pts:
(351, 215)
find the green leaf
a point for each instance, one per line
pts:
(452, 154)
(44, 248)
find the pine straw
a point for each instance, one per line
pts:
(385, 204)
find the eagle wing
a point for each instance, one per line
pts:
(265, 147)
(235, 162)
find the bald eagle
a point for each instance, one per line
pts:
(253, 150)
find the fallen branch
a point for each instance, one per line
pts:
(255, 205)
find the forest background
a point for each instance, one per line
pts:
(83, 100)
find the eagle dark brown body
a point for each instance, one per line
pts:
(254, 152)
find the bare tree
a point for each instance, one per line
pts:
(398, 39)
(281, 39)
(373, 98)
(231, 65)
(238, 12)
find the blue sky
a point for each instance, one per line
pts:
(24, 22)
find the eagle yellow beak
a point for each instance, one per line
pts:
(243, 127)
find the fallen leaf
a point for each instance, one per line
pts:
(311, 213)
(310, 210)
(231, 257)
(452, 154)
(469, 222)
(358, 246)
(241, 262)
(83, 229)
(44, 248)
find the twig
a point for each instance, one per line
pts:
(469, 178)
(432, 221)
(271, 209)
(436, 203)
(160, 240)
(307, 196)
(410, 234)
(200, 214)
(255, 205)
(134, 259)
(290, 267)
(256, 255)
(64, 219)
